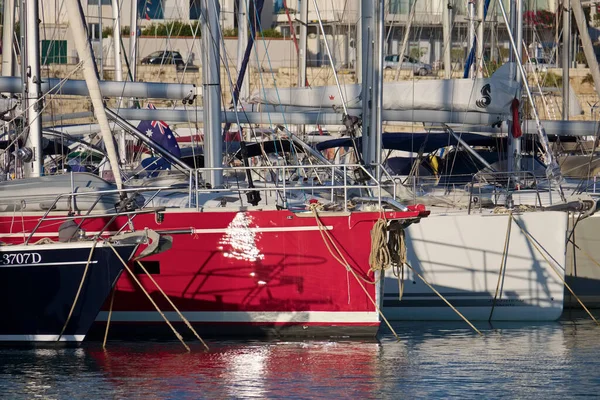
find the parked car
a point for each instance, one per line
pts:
(410, 63)
(164, 57)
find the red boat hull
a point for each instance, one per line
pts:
(254, 272)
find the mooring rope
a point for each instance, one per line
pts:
(342, 260)
(445, 301)
(399, 256)
(502, 264)
(110, 309)
(87, 266)
(380, 257)
(535, 245)
(149, 297)
(184, 319)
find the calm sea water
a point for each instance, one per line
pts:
(554, 360)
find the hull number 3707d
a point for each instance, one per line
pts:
(20, 258)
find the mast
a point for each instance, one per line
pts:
(366, 67)
(90, 73)
(405, 40)
(242, 44)
(302, 42)
(447, 33)
(516, 27)
(480, 33)
(586, 42)
(552, 168)
(211, 42)
(100, 55)
(133, 40)
(377, 85)
(116, 15)
(471, 37)
(8, 32)
(566, 58)
(33, 167)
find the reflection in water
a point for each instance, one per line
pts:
(432, 360)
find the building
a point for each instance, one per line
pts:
(340, 19)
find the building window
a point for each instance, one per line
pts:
(194, 9)
(400, 6)
(94, 31)
(95, 2)
(54, 52)
(151, 9)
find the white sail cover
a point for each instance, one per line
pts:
(490, 95)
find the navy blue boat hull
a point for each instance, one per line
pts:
(39, 284)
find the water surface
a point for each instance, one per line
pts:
(554, 360)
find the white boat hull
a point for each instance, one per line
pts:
(461, 256)
(582, 269)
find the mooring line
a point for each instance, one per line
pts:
(535, 245)
(87, 266)
(149, 298)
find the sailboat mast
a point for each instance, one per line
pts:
(90, 73)
(480, 30)
(133, 40)
(302, 42)
(516, 27)
(586, 42)
(447, 33)
(8, 31)
(552, 168)
(377, 85)
(100, 55)
(33, 167)
(471, 37)
(242, 44)
(366, 68)
(211, 42)
(566, 58)
(116, 15)
(402, 51)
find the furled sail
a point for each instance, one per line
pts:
(492, 95)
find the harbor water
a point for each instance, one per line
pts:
(439, 360)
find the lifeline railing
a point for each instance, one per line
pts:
(474, 187)
(195, 188)
(502, 184)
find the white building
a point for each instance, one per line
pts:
(340, 17)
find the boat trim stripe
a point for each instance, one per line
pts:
(41, 338)
(272, 317)
(48, 264)
(194, 231)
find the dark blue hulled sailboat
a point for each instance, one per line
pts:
(53, 292)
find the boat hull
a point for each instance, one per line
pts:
(582, 269)
(461, 256)
(39, 284)
(266, 272)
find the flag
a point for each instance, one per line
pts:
(160, 133)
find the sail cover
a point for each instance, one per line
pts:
(489, 95)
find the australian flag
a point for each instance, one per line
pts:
(160, 133)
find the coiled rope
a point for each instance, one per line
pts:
(380, 257)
